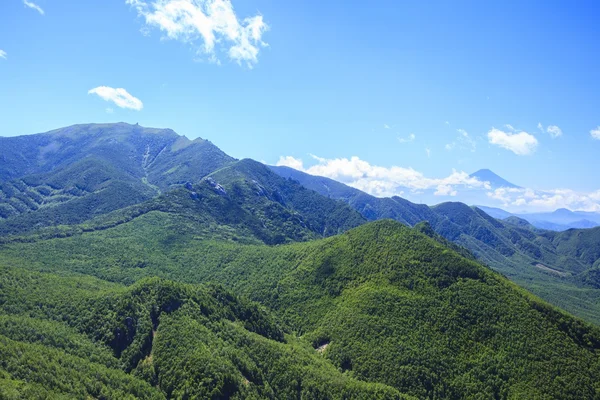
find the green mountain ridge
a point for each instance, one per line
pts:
(541, 261)
(93, 169)
(382, 303)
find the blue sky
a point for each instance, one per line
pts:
(426, 87)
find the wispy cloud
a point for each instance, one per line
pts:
(119, 96)
(212, 22)
(521, 143)
(428, 152)
(383, 181)
(462, 142)
(553, 130)
(408, 139)
(33, 6)
(3, 54)
(595, 133)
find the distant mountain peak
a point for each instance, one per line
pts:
(495, 181)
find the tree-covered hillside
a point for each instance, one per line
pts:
(76, 337)
(553, 265)
(381, 303)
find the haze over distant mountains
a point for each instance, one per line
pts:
(559, 220)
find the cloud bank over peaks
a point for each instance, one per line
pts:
(383, 181)
(529, 200)
(458, 186)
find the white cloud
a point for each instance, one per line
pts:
(521, 143)
(383, 181)
(386, 126)
(595, 133)
(396, 181)
(554, 131)
(109, 110)
(213, 22)
(33, 6)
(291, 162)
(428, 151)
(523, 199)
(2, 54)
(410, 138)
(445, 190)
(462, 142)
(119, 96)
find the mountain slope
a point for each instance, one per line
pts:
(257, 185)
(73, 174)
(244, 202)
(383, 302)
(523, 254)
(79, 337)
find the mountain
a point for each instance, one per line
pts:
(371, 207)
(159, 155)
(495, 181)
(70, 175)
(512, 247)
(381, 311)
(495, 212)
(224, 279)
(559, 220)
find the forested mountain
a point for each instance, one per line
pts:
(379, 311)
(135, 263)
(78, 337)
(554, 268)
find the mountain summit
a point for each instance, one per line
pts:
(494, 180)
